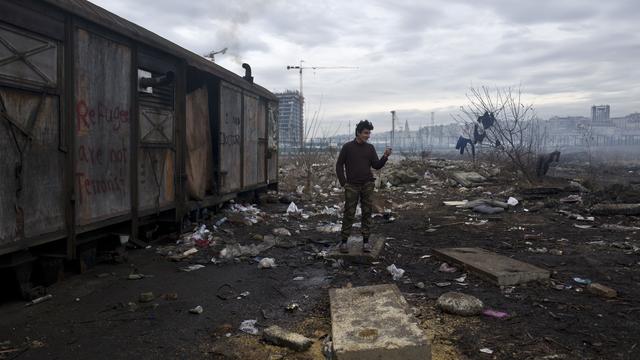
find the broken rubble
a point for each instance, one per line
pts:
(391, 334)
(616, 209)
(499, 269)
(459, 304)
(468, 179)
(602, 290)
(146, 297)
(280, 337)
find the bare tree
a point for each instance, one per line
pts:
(516, 134)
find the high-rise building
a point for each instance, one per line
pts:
(290, 119)
(600, 114)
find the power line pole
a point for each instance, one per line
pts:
(393, 127)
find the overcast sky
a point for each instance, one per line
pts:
(415, 57)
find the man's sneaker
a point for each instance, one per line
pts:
(366, 247)
(343, 248)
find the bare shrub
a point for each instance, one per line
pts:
(516, 136)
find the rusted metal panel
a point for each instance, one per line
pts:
(156, 173)
(26, 58)
(198, 139)
(250, 142)
(230, 138)
(102, 127)
(272, 141)
(31, 185)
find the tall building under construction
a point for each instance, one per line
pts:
(290, 119)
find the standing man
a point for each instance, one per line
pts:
(358, 157)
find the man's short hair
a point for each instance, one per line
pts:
(364, 124)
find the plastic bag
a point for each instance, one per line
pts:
(395, 272)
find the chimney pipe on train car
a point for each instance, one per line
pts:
(157, 81)
(247, 72)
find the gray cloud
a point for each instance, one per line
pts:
(414, 56)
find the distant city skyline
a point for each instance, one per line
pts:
(415, 57)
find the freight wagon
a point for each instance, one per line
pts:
(106, 127)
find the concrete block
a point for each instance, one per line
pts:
(493, 267)
(356, 255)
(280, 337)
(374, 323)
(601, 290)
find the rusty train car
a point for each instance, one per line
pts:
(106, 126)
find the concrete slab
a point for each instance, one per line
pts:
(468, 179)
(374, 323)
(355, 250)
(493, 267)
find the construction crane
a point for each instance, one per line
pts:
(300, 68)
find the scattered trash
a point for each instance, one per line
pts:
(582, 281)
(512, 201)
(329, 211)
(267, 263)
(443, 284)
(455, 203)
(615, 227)
(478, 222)
(486, 351)
(425, 256)
(459, 304)
(571, 199)
(202, 237)
(281, 232)
(582, 226)
(293, 209)
(446, 268)
(395, 272)
(196, 310)
(575, 216)
(135, 276)
(461, 279)
(528, 237)
(192, 267)
(298, 278)
(39, 300)
(169, 296)
(249, 327)
(616, 209)
(221, 221)
(292, 307)
(329, 228)
(190, 252)
(146, 297)
(495, 313)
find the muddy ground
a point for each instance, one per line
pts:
(98, 314)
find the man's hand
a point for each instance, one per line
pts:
(387, 152)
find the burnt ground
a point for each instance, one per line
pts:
(97, 314)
